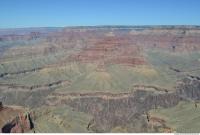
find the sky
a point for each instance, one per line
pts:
(60, 13)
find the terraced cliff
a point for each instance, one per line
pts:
(113, 76)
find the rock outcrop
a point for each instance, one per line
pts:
(118, 109)
(189, 88)
(21, 124)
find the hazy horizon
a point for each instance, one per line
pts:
(98, 26)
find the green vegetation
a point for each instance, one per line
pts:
(114, 78)
(83, 77)
(60, 119)
(184, 61)
(182, 118)
(29, 62)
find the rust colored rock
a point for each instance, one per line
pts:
(17, 129)
(21, 124)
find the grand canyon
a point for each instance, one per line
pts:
(100, 79)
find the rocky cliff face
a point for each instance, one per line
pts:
(190, 88)
(98, 49)
(120, 110)
(94, 43)
(21, 124)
